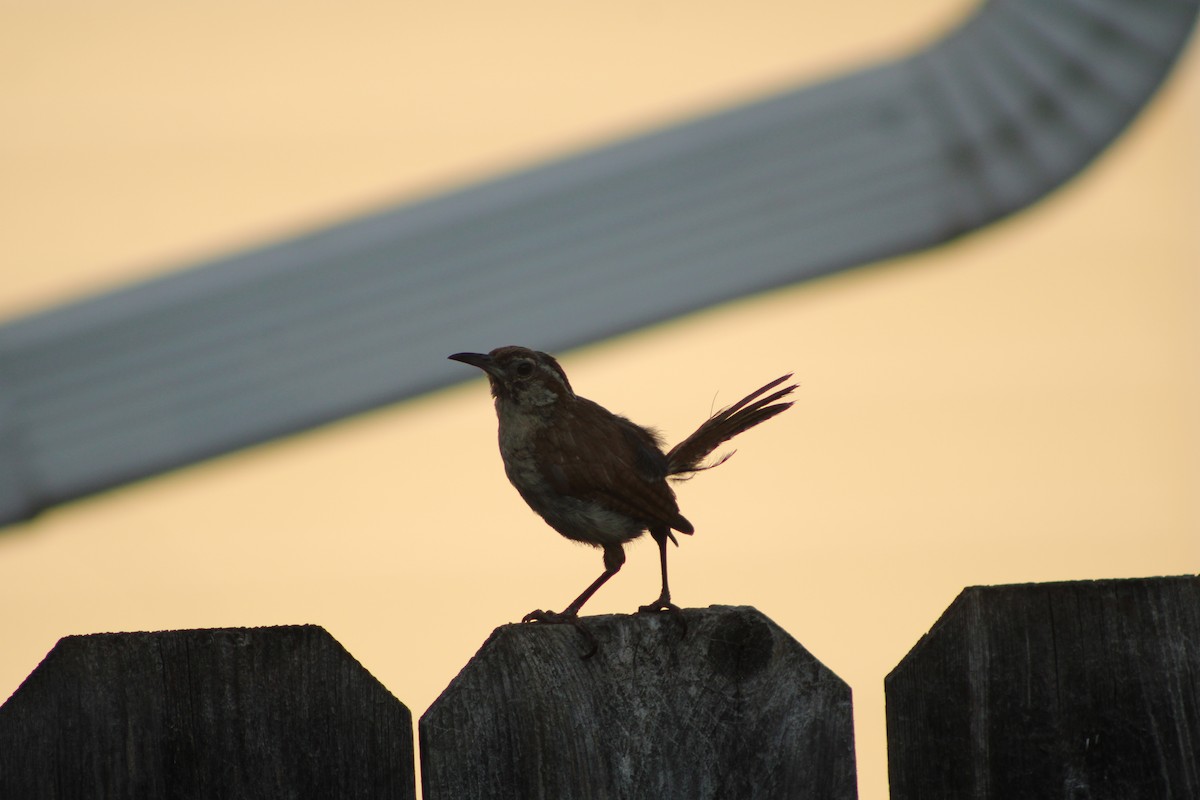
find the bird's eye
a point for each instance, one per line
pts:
(524, 369)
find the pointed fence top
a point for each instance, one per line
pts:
(227, 712)
(718, 702)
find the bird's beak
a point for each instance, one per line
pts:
(481, 360)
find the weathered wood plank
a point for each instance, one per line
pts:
(1087, 689)
(733, 708)
(280, 712)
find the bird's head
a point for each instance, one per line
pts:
(520, 376)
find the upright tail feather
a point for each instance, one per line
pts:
(686, 457)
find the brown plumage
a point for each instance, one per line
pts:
(685, 457)
(594, 476)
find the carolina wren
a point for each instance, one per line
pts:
(594, 476)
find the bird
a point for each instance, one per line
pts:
(595, 476)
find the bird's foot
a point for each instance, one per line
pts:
(660, 605)
(565, 618)
(663, 604)
(551, 617)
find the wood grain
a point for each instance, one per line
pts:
(282, 712)
(732, 708)
(1088, 689)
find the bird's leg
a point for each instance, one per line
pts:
(614, 557)
(663, 603)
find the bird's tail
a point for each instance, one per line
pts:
(685, 458)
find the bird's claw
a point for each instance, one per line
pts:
(551, 617)
(660, 605)
(555, 618)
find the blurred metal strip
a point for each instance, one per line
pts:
(886, 160)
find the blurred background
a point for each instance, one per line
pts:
(1019, 405)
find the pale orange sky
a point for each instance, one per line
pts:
(1017, 406)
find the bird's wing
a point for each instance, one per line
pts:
(619, 465)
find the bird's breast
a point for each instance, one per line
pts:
(533, 477)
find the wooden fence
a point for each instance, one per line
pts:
(1066, 690)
